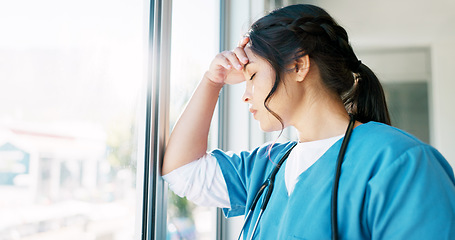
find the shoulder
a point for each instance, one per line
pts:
(379, 137)
(380, 146)
(403, 178)
(378, 132)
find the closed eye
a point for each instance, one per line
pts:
(252, 76)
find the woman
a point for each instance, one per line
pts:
(301, 71)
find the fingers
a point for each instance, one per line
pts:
(243, 42)
(223, 60)
(233, 59)
(221, 67)
(241, 55)
(240, 50)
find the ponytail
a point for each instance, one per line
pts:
(367, 100)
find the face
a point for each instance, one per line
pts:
(260, 77)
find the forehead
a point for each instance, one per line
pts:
(250, 54)
(257, 63)
(254, 58)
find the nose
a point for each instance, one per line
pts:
(247, 94)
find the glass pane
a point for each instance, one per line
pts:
(408, 107)
(195, 41)
(70, 93)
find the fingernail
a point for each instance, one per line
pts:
(238, 66)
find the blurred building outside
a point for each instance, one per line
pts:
(55, 184)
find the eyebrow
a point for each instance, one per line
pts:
(246, 65)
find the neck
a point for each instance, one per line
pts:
(321, 119)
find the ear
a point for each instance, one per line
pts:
(302, 67)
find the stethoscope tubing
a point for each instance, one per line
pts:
(341, 154)
(253, 206)
(269, 182)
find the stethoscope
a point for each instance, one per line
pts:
(270, 181)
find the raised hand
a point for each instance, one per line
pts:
(227, 66)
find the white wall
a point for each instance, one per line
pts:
(443, 118)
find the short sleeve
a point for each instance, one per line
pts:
(234, 172)
(414, 198)
(245, 172)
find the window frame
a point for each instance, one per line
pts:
(154, 200)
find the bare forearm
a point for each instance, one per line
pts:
(188, 141)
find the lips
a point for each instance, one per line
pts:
(253, 111)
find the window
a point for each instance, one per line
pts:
(406, 78)
(71, 77)
(195, 41)
(408, 106)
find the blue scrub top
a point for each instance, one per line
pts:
(392, 186)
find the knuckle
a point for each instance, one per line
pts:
(237, 51)
(240, 49)
(221, 55)
(230, 54)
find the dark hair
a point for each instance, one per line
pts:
(289, 33)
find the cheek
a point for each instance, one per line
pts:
(277, 101)
(259, 94)
(261, 89)
(280, 104)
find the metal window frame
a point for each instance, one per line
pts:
(221, 221)
(154, 202)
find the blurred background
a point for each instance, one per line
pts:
(72, 76)
(73, 87)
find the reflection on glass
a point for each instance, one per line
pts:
(70, 75)
(195, 41)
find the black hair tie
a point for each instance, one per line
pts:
(356, 66)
